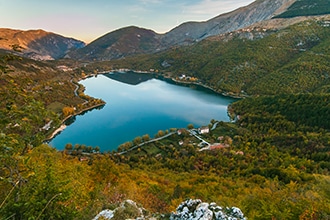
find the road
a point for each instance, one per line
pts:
(198, 137)
(147, 142)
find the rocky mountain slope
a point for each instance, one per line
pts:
(132, 40)
(195, 31)
(37, 44)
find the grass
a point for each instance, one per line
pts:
(56, 107)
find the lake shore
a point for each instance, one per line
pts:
(146, 108)
(180, 82)
(185, 83)
(63, 123)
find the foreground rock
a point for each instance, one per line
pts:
(127, 210)
(188, 210)
(198, 210)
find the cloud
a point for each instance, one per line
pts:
(146, 2)
(214, 7)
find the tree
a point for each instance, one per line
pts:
(145, 137)
(190, 126)
(137, 140)
(97, 149)
(77, 146)
(89, 149)
(68, 111)
(68, 147)
(4, 61)
(160, 133)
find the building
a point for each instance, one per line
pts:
(216, 146)
(204, 130)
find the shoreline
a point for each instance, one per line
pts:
(194, 84)
(205, 87)
(173, 80)
(63, 125)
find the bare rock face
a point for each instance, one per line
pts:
(127, 210)
(259, 10)
(187, 210)
(196, 209)
(133, 40)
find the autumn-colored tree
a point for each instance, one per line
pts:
(68, 111)
(146, 137)
(68, 147)
(190, 126)
(160, 133)
(137, 140)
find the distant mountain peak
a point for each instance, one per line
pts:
(38, 44)
(124, 42)
(133, 40)
(257, 11)
(120, 43)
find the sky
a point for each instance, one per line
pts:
(88, 20)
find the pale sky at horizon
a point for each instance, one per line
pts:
(87, 20)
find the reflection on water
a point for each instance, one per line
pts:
(146, 107)
(130, 77)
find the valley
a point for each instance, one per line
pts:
(135, 109)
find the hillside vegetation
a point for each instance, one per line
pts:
(131, 41)
(271, 161)
(275, 166)
(306, 8)
(292, 60)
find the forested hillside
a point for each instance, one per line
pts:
(253, 61)
(275, 165)
(306, 8)
(271, 161)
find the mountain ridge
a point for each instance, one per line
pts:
(133, 40)
(37, 44)
(227, 22)
(185, 34)
(119, 43)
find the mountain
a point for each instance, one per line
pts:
(130, 41)
(256, 60)
(118, 44)
(257, 11)
(37, 44)
(133, 40)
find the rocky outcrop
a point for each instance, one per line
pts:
(188, 210)
(196, 209)
(127, 210)
(37, 44)
(191, 32)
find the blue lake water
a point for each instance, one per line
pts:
(136, 110)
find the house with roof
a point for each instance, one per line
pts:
(216, 146)
(204, 130)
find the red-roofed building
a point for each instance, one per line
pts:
(217, 146)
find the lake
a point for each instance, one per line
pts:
(138, 106)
